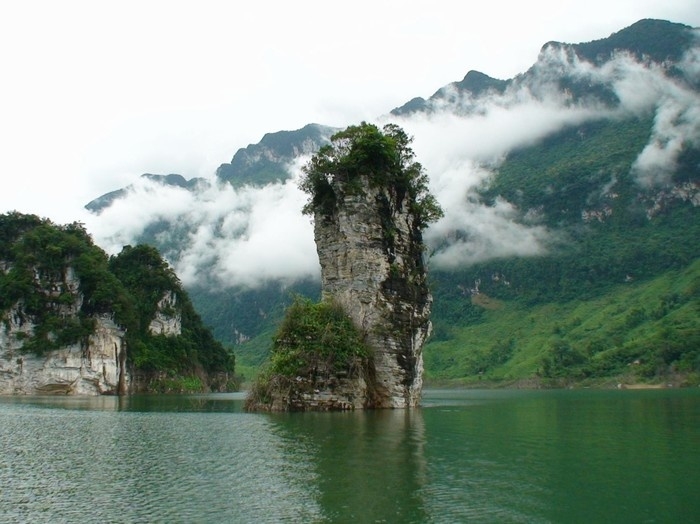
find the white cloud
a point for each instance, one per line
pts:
(676, 126)
(95, 94)
(246, 236)
(229, 237)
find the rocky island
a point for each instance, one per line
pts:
(361, 346)
(74, 321)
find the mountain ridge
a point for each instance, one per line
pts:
(608, 174)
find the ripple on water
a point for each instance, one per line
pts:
(466, 456)
(62, 465)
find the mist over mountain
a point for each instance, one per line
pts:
(593, 136)
(268, 161)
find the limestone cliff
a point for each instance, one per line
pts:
(370, 203)
(75, 321)
(93, 365)
(168, 319)
(97, 367)
(371, 256)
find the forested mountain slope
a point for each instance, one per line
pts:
(568, 190)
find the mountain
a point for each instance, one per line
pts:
(174, 180)
(267, 161)
(648, 41)
(568, 190)
(76, 321)
(474, 84)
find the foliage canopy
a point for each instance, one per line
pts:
(314, 341)
(316, 335)
(383, 157)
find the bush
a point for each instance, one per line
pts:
(316, 335)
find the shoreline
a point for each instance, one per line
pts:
(620, 382)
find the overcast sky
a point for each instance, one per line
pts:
(95, 93)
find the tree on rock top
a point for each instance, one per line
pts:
(384, 157)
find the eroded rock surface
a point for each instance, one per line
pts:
(94, 366)
(371, 255)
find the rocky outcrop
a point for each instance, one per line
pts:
(371, 255)
(97, 367)
(94, 366)
(268, 160)
(326, 390)
(168, 319)
(362, 344)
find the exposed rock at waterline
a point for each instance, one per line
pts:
(97, 367)
(371, 256)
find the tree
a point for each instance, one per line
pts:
(383, 157)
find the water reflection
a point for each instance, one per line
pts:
(116, 461)
(204, 403)
(370, 466)
(504, 456)
(563, 456)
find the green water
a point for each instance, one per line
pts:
(465, 456)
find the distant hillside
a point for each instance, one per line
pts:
(267, 161)
(619, 290)
(587, 195)
(656, 41)
(106, 200)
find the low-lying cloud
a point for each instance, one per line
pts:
(225, 237)
(243, 237)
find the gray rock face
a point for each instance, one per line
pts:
(97, 368)
(327, 391)
(371, 255)
(93, 367)
(167, 320)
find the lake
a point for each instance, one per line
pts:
(465, 456)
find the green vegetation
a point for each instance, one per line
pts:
(254, 165)
(37, 255)
(37, 258)
(612, 297)
(383, 158)
(612, 241)
(646, 331)
(148, 278)
(314, 340)
(566, 172)
(313, 336)
(548, 317)
(658, 40)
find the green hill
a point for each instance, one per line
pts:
(56, 279)
(634, 332)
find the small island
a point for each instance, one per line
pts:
(75, 321)
(361, 345)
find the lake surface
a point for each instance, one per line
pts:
(465, 456)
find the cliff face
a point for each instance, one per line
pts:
(362, 344)
(91, 367)
(168, 319)
(74, 320)
(371, 252)
(95, 366)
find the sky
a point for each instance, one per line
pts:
(93, 94)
